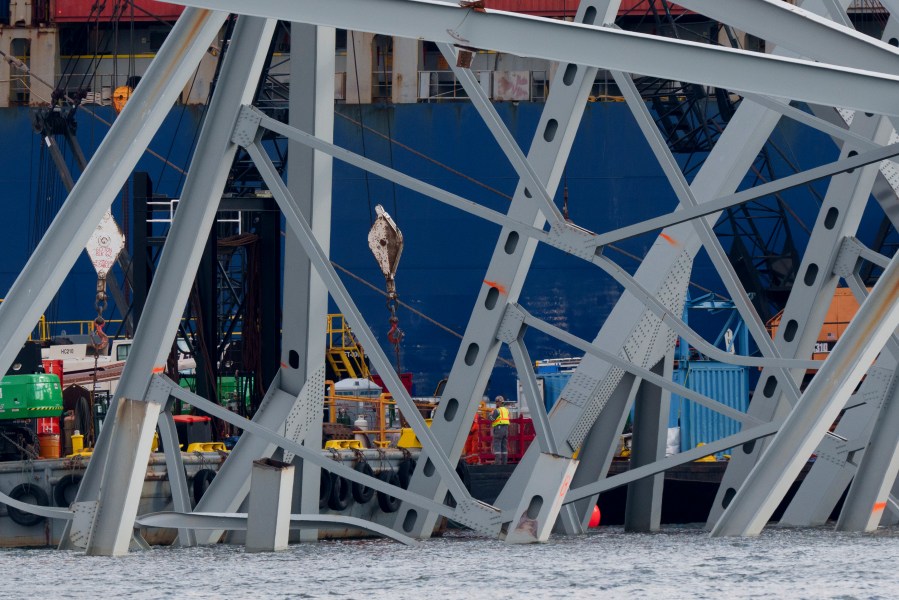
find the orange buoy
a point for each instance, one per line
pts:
(594, 518)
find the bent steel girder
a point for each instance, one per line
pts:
(583, 43)
(466, 512)
(238, 522)
(807, 305)
(758, 497)
(170, 289)
(754, 125)
(840, 454)
(641, 328)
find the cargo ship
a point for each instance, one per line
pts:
(414, 119)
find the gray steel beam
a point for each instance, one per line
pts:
(503, 136)
(168, 436)
(684, 214)
(506, 272)
(702, 227)
(841, 452)
(124, 467)
(305, 296)
(837, 456)
(198, 207)
(593, 349)
(545, 438)
(196, 213)
(585, 44)
(238, 522)
(835, 129)
(632, 330)
(877, 465)
(117, 155)
(577, 494)
(643, 511)
(802, 31)
(876, 472)
(596, 452)
(758, 497)
(566, 237)
(436, 463)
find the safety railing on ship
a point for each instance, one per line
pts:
(375, 417)
(163, 212)
(513, 86)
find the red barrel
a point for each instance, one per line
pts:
(54, 367)
(47, 425)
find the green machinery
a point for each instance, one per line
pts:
(23, 400)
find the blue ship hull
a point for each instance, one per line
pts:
(612, 180)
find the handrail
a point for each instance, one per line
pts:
(382, 407)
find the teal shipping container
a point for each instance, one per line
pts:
(728, 384)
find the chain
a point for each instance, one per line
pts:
(395, 335)
(98, 337)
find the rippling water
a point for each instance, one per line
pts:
(677, 563)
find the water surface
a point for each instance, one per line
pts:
(681, 562)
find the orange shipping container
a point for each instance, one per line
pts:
(842, 308)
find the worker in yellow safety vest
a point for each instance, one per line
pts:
(500, 427)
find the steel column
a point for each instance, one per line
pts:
(124, 467)
(305, 295)
(268, 516)
(232, 482)
(643, 511)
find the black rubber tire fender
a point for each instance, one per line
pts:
(324, 489)
(22, 492)
(339, 498)
(361, 492)
(63, 490)
(405, 471)
(201, 483)
(387, 503)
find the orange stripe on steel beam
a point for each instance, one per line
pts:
(284, 366)
(879, 506)
(668, 239)
(497, 286)
(158, 370)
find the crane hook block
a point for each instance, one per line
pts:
(386, 243)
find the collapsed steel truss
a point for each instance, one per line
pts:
(625, 364)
